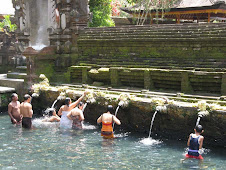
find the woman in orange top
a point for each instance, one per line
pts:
(107, 119)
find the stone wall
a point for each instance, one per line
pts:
(187, 81)
(176, 122)
(168, 46)
(184, 57)
(7, 52)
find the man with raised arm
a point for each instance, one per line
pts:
(14, 109)
(26, 111)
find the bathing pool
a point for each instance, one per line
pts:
(49, 147)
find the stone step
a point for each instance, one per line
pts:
(155, 31)
(129, 39)
(16, 75)
(191, 25)
(18, 84)
(153, 36)
(153, 28)
(138, 92)
(206, 33)
(6, 90)
(21, 69)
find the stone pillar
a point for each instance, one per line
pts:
(85, 78)
(114, 74)
(148, 83)
(223, 84)
(185, 83)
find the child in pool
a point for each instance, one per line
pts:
(195, 142)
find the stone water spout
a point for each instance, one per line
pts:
(161, 107)
(202, 111)
(123, 102)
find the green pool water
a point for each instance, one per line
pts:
(48, 147)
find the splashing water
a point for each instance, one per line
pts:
(152, 121)
(35, 95)
(198, 120)
(116, 111)
(41, 123)
(87, 126)
(54, 103)
(84, 107)
(121, 135)
(150, 141)
(38, 47)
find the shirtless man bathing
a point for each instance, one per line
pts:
(14, 110)
(26, 111)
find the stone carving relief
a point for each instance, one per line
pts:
(65, 17)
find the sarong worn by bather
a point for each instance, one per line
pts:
(107, 130)
(77, 123)
(26, 122)
(64, 121)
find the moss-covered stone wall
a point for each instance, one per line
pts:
(176, 122)
(171, 46)
(186, 81)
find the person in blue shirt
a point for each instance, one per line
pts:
(195, 142)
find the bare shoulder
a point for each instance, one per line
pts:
(10, 104)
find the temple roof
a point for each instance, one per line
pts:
(188, 4)
(186, 9)
(197, 3)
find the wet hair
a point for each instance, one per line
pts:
(13, 95)
(67, 101)
(198, 128)
(110, 109)
(27, 96)
(51, 110)
(80, 104)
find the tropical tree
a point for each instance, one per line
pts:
(6, 25)
(101, 13)
(147, 6)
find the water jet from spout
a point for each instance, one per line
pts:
(152, 121)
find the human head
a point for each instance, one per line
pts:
(51, 111)
(110, 109)
(199, 128)
(14, 97)
(80, 105)
(68, 101)
(27, 97)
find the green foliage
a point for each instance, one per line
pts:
(6, 25)
(101, 10)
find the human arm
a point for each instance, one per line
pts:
(188, 143)
(69, 115)
(201, 142)
(99, 120)
(10, 108)
(72, 105)
(116, 120)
